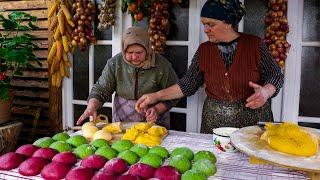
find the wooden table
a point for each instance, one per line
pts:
(231, 166)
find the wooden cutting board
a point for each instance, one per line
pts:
(247, 140)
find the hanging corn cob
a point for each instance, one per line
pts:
(61, 25)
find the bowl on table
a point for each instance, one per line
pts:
(221, 139)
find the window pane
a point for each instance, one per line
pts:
(80, 75)
(310, 78)
(78, 110)
(178, 56)
(178, 121)
(106, 34)
(179, 27)
(256, 11)
(101, 54)
(311, 23)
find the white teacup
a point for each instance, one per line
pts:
(221, 139)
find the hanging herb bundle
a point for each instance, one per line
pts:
(107, 14)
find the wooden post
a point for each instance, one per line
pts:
(55, 94)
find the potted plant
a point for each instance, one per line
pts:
(16, 52)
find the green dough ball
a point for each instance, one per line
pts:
(140, 149)
(106, 152)
(184, 151)
(84, 151)
(161, 151)
(129, 156)
(205, 166)
(152, 159)
(61, 136)
(193, 175)
(61, 146)
(122, 145)
(99, 143)
(205, 155)
(77, 140)
(44, 142)
(180, 162)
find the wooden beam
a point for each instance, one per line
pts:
(43, 62)
(42, 43)
(39, 13)
(41, 54)
(20, 102)
(38, 34)
(33, 74)
(29, 83)
(33, 94)
(41, 24)
(24, 5)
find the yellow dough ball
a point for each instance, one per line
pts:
(89, 131)
(102, 134)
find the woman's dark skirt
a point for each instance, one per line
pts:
(217, 113)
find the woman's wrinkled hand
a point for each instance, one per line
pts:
(86, 114)
(145, 101)
(152, 114)
(259, 97)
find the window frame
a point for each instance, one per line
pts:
(291, 95)
(125, 21)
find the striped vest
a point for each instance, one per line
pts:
(232, 84)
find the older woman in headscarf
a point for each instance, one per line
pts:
(132, 73)
(236, 69)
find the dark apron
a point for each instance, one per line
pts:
(124, 111)
(217, 113)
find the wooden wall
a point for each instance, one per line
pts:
(31, 102)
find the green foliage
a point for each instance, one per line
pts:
(16, 48)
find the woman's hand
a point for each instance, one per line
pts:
(260, 96)
(87, 113)
(145, 101)
(152, 114)
(91, 110)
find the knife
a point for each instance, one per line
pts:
(261, 124)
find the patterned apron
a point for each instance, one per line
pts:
(124, 111)
(218, 113)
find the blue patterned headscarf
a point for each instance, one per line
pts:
(229, 11)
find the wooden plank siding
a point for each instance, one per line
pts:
(32, 90)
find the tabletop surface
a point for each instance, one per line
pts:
(229, 165)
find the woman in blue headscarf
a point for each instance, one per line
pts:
(236, 69)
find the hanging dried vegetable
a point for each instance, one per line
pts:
(277, 29)
(107, 14)
(61, 24)
(158, 25)
(138, 9)
(84, 15)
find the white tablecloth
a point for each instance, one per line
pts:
(230, 166)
